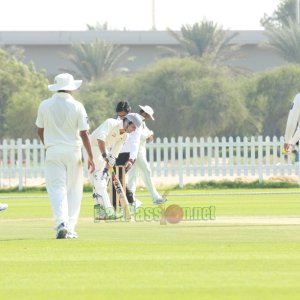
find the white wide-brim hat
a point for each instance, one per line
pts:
(148, 110)
(65, 82)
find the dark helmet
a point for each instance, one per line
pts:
(123, 106)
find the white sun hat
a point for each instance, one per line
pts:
(64, 81)
(148, 110)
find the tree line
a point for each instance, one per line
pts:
(192, 90)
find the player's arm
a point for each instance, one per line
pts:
(150, 136)
(102, 147)
(40, 123)
(87, 145)
(102, 133)
(108, 157)
(40, 132)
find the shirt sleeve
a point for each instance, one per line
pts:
(293, 119)
(83, 120)
(104, 129)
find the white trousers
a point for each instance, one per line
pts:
(98, 182)
(64, 182)
(142, 167)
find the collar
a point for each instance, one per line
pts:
(63, 95)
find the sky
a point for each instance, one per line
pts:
(68, 15)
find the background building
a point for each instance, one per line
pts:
(48, 49)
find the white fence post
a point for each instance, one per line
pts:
(180, 161)
(200, 158)
(166, 156)
(195, 156)
(20, 164)
(260, 146)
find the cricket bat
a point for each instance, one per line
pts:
(121, 194)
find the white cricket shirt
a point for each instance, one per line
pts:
(109, 132)
(62, 118)
(293, 120)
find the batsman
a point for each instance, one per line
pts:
(107, 141)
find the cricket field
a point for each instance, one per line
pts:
(241, 244)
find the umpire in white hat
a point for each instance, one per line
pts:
(63, 127)
(141, 166)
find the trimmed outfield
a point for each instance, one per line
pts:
(250, 251)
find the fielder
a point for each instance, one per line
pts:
(141, 164)
(62, 126)
(291, 136)
(107, 141)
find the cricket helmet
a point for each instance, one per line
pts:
(136, 119)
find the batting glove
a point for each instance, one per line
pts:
(110, 160)
(128, 164)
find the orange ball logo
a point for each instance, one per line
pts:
(173, 214)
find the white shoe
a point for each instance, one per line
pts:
(3, 206)
(62, 231)
(72, 235)
(160, 201)
(137, 203)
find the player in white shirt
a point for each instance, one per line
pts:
(292, 131)
(141, 165)
(63, 127)
(107, 141)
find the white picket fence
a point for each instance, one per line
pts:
(22, 162)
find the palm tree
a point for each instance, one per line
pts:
(286, 10)
(205, 39)
(96, 59)
(98, 27)
(285, 41)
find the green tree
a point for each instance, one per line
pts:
(21, 114)
(21, 90)
(96, 59)
(285, 41)
(283, 31)
(206, 39)
(285, 12)
(190, 98)
(98, 103)
(269, 97)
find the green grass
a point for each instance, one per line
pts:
(281, 183)
(146, 260)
